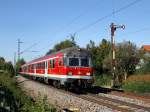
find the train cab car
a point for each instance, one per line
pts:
(70, 67)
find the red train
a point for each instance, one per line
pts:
(70, 67)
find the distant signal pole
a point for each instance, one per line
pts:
(19, 42)
(113, 29)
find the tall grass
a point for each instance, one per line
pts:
(137, 84)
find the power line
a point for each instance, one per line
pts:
(105, 17)
(27, 49)
(136, 31)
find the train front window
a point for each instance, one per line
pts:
(85, 62)
(73, 61)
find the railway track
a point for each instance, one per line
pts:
(114, 104)
(117, 104)
(145, 98)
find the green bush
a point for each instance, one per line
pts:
(14, 97)
(102, 80)
(145, 68)
(137, 87)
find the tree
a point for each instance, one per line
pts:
(127, 56)
(2, 63)
(6, 66)
(99, 53)
(64, 44)
(19, 63)
(9, 67)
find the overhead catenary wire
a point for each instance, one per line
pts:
(136, 31)
(27, 49)
(102, 18)
(96, 21)
(72, 21)
(107, 16)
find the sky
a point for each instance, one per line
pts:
(44, 23)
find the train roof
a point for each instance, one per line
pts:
(72, 51)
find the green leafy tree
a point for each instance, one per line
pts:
(64, 44)
(145, 68)
(127, 57)
(98, 54)
(9, 67)
(19, 63)
(2, 63)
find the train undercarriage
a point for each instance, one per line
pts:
(64, 83)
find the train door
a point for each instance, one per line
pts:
(60, 66)
(46, 68)
(52, 67)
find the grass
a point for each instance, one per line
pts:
(12, 98)
(137, 84)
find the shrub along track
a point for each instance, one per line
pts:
(114, 104)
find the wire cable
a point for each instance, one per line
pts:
(105, 17)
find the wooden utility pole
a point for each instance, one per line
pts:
(113, 29)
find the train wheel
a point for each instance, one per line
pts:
(56, 84)
(67, 86)
(50, 82)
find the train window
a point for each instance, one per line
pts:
(73, 61)
(60, 62)
(32, 66)
(52, 63)
(84, 62)
(44, 65)
(38, 66)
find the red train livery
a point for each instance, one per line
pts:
(70, 67)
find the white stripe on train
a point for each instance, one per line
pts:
(58, 76)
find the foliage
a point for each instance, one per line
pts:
(138, 78)
(6, 66)
(137, 83)
(99, 53)
(10, 69)
(2, 63)
(64, 44)
(19, 63)
(145, 67)
(12, 98)
(102, 80)
(137, 87)
(17, 100)
(127, 57)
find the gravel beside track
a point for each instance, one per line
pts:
(58, 98)
(128, 100)
(83, 102)
(145, 98)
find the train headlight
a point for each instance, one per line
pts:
(69, 73)
(79, 73)
(88, 73)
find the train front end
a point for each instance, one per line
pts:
(79, 69)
